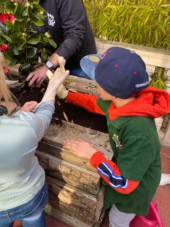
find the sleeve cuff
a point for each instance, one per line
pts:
(96, 159)
(70, 97)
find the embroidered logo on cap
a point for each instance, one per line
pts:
(142, 84)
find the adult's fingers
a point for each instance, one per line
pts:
(32, 77)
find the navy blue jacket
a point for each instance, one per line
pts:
(68, 24)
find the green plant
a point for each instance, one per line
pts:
(24, 45)
(158, 78)
(140, 22)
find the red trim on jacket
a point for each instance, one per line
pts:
(97, 158)
(87, 101)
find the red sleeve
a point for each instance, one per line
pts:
(110, 173)
(85, 100)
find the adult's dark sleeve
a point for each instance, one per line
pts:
(73, 20)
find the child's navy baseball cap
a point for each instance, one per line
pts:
(119, 71)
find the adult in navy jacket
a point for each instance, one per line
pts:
(68, 24)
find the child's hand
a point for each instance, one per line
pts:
(80, 148)
(28, 106)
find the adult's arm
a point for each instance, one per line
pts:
(73, 18)
(39, 120)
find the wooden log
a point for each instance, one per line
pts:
(71, 195)
(56, 134)
(72, 174)
(75, 203)
(82, 85)
(62, 216)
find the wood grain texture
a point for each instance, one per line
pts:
(74, 175)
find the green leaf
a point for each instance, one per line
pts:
(25, 12)
(43, 56)
(52, 43)
(19, 10)
(7, 38)
(37, 9)
(32, 51)
(18, 26)
(18, 38)
(36, 20)
(9, 25)
(11, 8)
(34, 41)
(43, 38)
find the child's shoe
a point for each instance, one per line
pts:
(165, 179)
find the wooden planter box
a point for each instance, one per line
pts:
(75, 189)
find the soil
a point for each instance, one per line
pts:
(63, 110)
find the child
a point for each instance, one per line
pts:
(130, 106)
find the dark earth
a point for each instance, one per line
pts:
(63, 110)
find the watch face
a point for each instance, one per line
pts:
(49, 64)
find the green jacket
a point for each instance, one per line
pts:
(136, 149)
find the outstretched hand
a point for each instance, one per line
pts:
(80, 148)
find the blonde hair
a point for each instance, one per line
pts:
(5, 93)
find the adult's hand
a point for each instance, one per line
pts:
(36, 77)
(29, 106)
(80, 148)
(11, 106)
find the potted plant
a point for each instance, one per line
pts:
(19, 41)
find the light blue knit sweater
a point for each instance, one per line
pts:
(21, 176)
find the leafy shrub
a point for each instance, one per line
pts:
(18, 39)
(140, 22)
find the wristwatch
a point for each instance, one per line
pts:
(49, 65)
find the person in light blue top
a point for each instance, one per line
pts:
(23, 191)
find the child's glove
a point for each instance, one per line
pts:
(62, 92)
(55, 81)
(53, 85)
